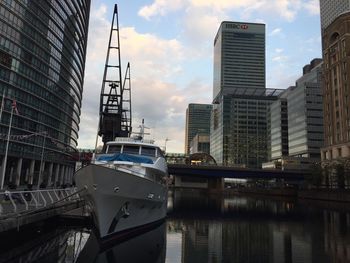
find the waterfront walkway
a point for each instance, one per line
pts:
(19, 208)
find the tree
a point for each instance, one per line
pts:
(340, 174)
(315, 177)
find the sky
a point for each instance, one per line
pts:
(169, 44)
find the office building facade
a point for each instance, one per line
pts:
(200, 144)
(278, 128)
(239, 58)
(197, 122)
(305, 114)
(42, 60)
(336, 90)
(238, 135)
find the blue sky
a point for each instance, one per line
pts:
(169, 44)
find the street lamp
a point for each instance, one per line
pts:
(166, 140)
(42, 158)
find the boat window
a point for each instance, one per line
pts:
(114, 148)
(131, 149)
(148, 151)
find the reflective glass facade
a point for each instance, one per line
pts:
(42, 59)
(305, 115)
(239, 57)
(278, 129)
(197, 122)
(239, 129)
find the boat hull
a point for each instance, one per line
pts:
(120, 200)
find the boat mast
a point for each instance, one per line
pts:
(115, 98)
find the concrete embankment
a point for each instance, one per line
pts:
(334, 195)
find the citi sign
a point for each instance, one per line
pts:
(237, 26)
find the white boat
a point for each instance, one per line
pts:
(126, 187)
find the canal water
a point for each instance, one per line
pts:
(205, 228)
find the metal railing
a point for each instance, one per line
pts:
(17, 202)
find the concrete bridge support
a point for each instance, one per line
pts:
(216, 184)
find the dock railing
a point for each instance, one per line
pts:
(14, 203)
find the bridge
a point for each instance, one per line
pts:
(202, 176)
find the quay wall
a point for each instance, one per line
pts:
(334, 195)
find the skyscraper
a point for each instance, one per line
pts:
(197, 122)
(42, 60)
(238, 131)
(331, 9)
(239, 57)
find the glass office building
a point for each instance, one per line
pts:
(239, 128)
(42, 60)
(305, 114)
(239, 57)
(197, 122)
(238, 131)
(278, 128)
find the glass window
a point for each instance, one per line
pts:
(114, 149)
(148, 151)
(131, 149)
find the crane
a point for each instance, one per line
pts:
(115, 97)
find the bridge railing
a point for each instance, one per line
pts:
(16, 202)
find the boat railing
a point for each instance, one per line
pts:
(17, 202)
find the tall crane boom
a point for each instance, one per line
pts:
(115, 98)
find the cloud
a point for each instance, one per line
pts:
(276, 31)
(155, 63)
(160, 7)
(200, 25)
(279, 50)
(313, 7)
(285, 9)
(150, 55)
(279, 58)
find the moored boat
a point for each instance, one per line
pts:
(126, 186)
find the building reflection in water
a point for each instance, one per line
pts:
(205, 228)
(249, 229)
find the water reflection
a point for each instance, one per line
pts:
(42, 244)
(148, 247)
(207, 228)
(251, 229)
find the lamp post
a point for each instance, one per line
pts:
(166, 140)
(41, 160)
(6, 151)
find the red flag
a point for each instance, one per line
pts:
(14, 106)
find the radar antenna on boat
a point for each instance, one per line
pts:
(141, 134)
